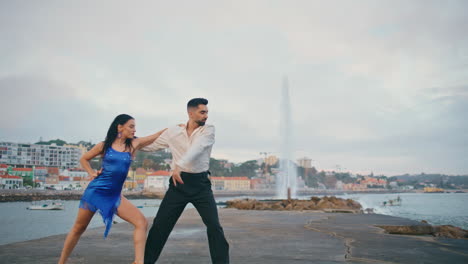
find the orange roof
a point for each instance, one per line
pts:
(41, 168)
(3, 166)
(230, 178)
(22, 169)
(10, 177)
(140, 171)
(160, 173)
(53, 170)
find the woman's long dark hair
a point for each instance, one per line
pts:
(112, 134)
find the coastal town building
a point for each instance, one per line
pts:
(74, 172)
(3, 169)
(11, 182)
(257, 184)
(141, 174)
(230, 183)
(29, 155)
(271, 160)
(40, 171)
(158, 180)
(304, 162)
(23, 172)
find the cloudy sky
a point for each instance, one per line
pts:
(377, 86)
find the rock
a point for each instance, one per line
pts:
(446, 231)
(276, 207)
(450, 231)
(408, 230)
(298, 207)
(315, 199)
(325, 204)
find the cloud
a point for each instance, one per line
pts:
(373, 86)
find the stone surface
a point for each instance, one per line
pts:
(259, 237)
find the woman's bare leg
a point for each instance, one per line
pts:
(82, 221)
(128, 212)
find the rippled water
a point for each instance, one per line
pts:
(436, 208)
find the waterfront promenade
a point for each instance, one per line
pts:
(260, 237)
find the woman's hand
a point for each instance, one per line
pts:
(93, 175)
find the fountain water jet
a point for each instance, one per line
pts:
(286, 179)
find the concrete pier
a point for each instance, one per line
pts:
(259, 237)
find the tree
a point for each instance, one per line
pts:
(58, 142)
(330, 182)
(247, 168)
(147, 164)
(217, 168)
(27, 181)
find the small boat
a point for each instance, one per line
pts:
(47, 206)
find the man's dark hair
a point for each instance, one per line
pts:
(195, 102)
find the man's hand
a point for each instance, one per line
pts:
(176, 176)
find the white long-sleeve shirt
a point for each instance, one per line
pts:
(191, 154)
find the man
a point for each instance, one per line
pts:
(191, 149)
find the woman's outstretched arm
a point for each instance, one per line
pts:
(142, 142)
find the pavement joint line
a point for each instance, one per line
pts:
(346, 241)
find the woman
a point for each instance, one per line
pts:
(103, 193)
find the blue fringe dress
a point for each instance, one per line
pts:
(103, 194)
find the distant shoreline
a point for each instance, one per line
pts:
(38, 195)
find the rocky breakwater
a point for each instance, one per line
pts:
(37, 195)
(325, 204)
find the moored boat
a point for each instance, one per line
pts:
(47, 206)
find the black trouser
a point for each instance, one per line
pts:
(196, 190)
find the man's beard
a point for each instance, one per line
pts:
(200, 123)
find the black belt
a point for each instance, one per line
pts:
(199, 173)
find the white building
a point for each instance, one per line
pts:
(11, 182)
(29, 155)
(158, 180)
(74, 172)
(3, 169)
